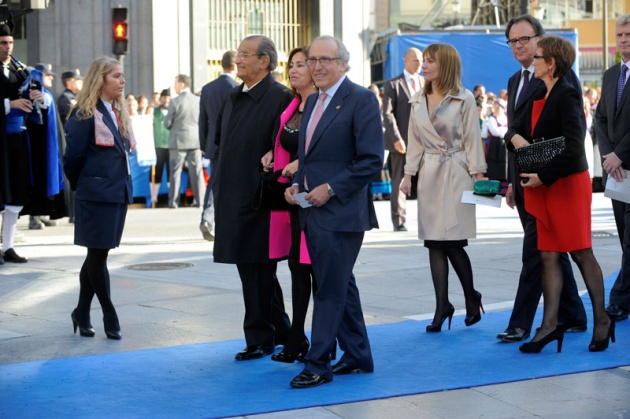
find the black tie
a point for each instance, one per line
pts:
(525, 83)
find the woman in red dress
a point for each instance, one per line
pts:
(560, 196)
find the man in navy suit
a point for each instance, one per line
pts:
(213, 95)
(612, 125)
(340, 151)
(522, 33)
(396, 111)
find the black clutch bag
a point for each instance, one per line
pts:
(270, 196)
(535, 157)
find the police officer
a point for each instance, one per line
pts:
(72, 81)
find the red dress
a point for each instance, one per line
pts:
(563, 210)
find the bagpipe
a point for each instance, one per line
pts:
(30, 79)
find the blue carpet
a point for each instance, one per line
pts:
(204, 380)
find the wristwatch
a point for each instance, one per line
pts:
(330, 190)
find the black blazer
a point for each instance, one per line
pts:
(396, 110)
(535, 88)
(562, 115)
(96, 173)
(612, 122)
(213, 95)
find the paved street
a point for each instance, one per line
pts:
(168, 292)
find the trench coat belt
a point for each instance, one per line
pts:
(450, 201)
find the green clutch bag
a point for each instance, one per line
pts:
(487, 187)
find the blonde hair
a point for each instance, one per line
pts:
(450, 69)
(89, 96)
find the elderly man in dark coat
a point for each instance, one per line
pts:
(245, 133)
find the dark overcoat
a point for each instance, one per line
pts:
(245, 129)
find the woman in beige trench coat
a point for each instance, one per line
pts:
(446, 151)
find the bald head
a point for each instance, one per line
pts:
(413, 60)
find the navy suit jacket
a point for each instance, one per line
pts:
(213, 95)
(612, 122)
(346, 152)
(96, 173)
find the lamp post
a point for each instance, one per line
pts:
(456, 9)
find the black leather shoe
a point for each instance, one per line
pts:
(513, 334)
(290, 355)
(614, 311)
(254, 352)
(576, 329)
(573, 326)
(11, 256)
(307, 379)
(400, 228)
(113, 334)
(341, 368)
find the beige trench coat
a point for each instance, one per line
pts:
(445, 150)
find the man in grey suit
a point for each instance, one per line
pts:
(213, 95)
(612, 127)
(183, 142)
(396, 111)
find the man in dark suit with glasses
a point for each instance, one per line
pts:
(523, 33)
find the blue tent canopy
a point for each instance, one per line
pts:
(486, 58)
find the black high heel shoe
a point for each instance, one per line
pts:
(602, 345)
(113, 334)
(532, 347)
(290, 357)
(470, 320)
(112, 327)
(437, 326)
(83, 331)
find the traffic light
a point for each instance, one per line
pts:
(119, 27)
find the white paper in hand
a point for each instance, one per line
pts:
(619, 191)
(469, 197)
(299, 197)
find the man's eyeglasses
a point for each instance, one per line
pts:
(324, 61)
(538, 57)
(246, 54)
(523, 40)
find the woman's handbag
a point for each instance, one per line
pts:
(535, 157)
(487, 187)
(271, 192)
